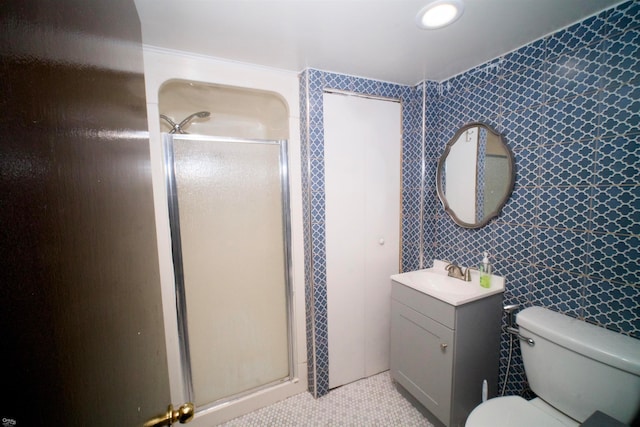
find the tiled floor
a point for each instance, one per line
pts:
(373, 401)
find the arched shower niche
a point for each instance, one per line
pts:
(235, 112)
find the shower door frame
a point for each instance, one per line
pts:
(176, 250)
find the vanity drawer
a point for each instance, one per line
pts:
(429, 306)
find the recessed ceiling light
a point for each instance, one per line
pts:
(439, 13)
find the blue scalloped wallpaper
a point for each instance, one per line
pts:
(568, 239)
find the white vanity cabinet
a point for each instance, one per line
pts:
(441, 353)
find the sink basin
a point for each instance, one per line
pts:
(429, 281)
(435, 282)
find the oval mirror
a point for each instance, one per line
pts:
(475, 176)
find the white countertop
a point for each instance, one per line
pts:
(435, 282)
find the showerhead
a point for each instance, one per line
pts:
(177, 127)
(168, 120)
(199, 115)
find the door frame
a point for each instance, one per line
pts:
(357, 316)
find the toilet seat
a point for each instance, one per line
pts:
(512, 411)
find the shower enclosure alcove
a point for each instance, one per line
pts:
(226, 164)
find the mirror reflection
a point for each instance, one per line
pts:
(475, 175)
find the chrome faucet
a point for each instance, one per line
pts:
(455, 271)
(467, 273)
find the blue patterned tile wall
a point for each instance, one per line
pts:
(313, 83)
(569, 238)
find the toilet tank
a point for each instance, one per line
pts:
(579, 368)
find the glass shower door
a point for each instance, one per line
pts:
(228, 205)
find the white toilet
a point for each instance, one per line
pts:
(574, 368)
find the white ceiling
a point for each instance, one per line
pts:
(377, 39)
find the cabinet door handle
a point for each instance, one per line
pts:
(443, 346)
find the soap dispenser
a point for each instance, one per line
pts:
(485, 272)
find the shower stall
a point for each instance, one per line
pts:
(227, 203)
(227, 189)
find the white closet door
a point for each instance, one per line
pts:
(362, 187)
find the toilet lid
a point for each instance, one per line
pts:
(510, 411)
